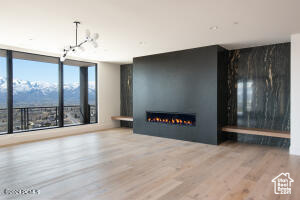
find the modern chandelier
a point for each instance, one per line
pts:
(78, 46)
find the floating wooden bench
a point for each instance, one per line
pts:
(122, 118)
(254, 131)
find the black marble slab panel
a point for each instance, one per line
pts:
(126, 93)
(258, 91)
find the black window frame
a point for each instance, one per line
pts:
(9, 103)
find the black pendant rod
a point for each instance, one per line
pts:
(76, 22)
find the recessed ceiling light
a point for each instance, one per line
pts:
(213, 28)
(236, 23)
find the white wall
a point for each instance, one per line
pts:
(295, 95)
(108, 94)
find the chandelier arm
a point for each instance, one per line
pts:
(85, 41)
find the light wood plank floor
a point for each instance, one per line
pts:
(116, 164)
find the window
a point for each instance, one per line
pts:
(92, 93)
(35, 92)
(38, 92)
(3, 93)
(80, 95)
(72, 112)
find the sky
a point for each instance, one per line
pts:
(40, 71)
(2, 67)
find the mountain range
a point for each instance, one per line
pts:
(39, 93)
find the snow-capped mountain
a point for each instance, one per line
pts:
(27, 86)
(42, 93)
(2, 84)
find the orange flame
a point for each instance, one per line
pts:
(170, 121)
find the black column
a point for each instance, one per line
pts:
(96, 88)
(9, 75)
(60, 94)
(84, 106)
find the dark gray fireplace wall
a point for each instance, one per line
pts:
(183, 81)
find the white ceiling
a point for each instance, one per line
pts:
(131, 28)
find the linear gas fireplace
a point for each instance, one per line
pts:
(171, 118)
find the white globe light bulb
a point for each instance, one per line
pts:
(67, 48)
(81, 48)
(95, 45)
(95, 36)
(62, 58)
(87, 33)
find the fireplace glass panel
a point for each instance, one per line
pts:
(181, 119)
